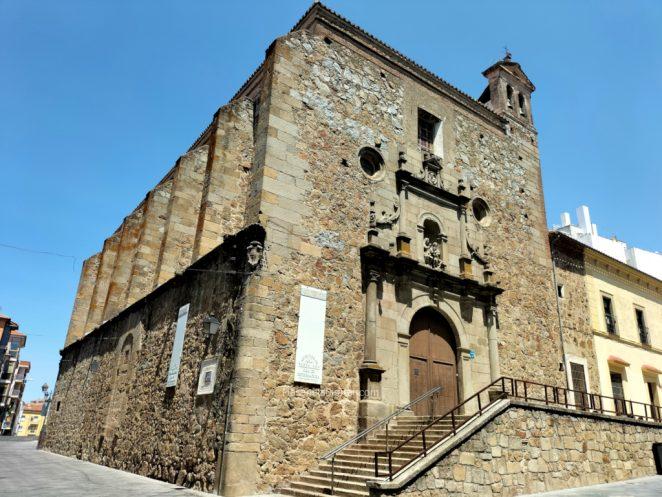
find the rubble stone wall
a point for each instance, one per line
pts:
(325, 104)
(526, 451)
(327, 101)
(111, 405)
(575, 311)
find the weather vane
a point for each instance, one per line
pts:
(508, 55)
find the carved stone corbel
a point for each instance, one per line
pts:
(402, 159)
(254, 254)
(430, 171)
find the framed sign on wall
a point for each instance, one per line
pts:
(207, 378)
(310, 336)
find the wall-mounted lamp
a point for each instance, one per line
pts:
(211, 325)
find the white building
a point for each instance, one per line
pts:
(587, 232)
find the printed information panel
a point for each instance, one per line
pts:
(177, 346)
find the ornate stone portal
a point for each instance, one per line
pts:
(437, 268)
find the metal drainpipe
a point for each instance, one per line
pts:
(218, 484)
(558, 311)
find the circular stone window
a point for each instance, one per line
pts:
(372, 163)
(481, 211)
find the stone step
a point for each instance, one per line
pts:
(420, 426)
(367, 457)
(395, 440)
(368, 464)
(359, 470)
(338, 482)
(415, 443)
(416, 427)
(343, 475)
(301, 493)
(297, 492)
(429, 435)
(370, 451)
(326, 489)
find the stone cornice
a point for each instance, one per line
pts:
(374, 257)
(617, 269)
(610, 266)
(432, 192)
(625, 341)
(232, 246)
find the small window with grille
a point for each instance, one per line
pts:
(428, 126)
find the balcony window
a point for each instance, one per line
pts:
(610, 320)
(641, 327)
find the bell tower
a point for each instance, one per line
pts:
(509, 90)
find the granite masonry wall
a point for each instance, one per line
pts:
(326, 102)
(315, 209)
(527, 450)
(111, 405)
(575, 310)
(185, 216)
(294, 169)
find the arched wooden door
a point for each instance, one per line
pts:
(432, 362)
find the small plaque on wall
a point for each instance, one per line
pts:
(207, 378)
(310, 336)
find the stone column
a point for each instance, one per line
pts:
(371, 407)
(403, 242)
(370, 348)
(465, 257)
(464, 370)
(492, 342)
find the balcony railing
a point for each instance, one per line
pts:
(644, 338)
(529, 391)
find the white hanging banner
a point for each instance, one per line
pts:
(177, 346)
(310, 336)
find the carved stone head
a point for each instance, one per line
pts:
(254, 253)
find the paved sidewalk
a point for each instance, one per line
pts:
(650, 486)
(26, 471)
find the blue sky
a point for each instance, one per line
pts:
(98, 99)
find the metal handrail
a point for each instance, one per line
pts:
(379, 423)
(515, 384)
(383, 422)
(592, 404)
(455, 426)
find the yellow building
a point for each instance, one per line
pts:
(31, 420)
(624, 324)
(626, 318)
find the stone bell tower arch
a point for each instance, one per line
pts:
(509, 90)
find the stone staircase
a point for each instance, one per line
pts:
(355, 464)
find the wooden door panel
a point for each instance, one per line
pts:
(579, 385)
(432, 362)
(441, 345)
(419, 379)
(444, 375)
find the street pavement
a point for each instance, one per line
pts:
(26, 472)
(650, 486)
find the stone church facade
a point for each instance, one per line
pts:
(340, 168)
